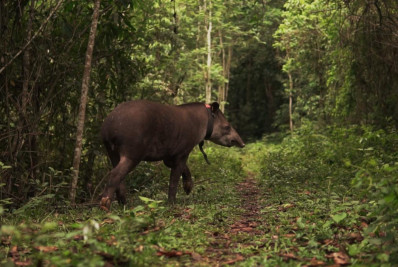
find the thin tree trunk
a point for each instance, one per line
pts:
(270, 99)
(289, 74)
(19, 139)
(228, 68)
(26, 65)
(208, 65)
(221, 88)
(83, 102)
(28, 91)
(290, 101)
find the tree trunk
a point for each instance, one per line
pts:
(221, 88)
(83, 102)
(290, 101)
(208, 65)
(22, 133)
(228, 68)
(289, 74)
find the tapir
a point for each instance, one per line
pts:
(142, 130)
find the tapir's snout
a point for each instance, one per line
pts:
(237, 141)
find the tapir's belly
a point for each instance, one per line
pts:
(165, 151)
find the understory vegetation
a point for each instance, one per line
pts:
(311, 86)
(324, 197)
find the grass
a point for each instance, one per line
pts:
(146, 232)
(307, 214)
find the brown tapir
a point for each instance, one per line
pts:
(147, 131)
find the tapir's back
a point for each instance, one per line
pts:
(150, 130)
(132, 120)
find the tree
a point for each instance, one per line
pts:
(209, 25)
(83, 102)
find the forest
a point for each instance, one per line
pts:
(311, 86)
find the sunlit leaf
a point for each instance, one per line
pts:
(339, 217)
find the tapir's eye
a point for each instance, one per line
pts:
(227, 128)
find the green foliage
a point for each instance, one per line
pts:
(132, 234)
(326, 46)
(353, 172)
(255, 83)
(328, 180)
(144, 50)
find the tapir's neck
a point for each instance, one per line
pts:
(210, 123)
(201, 116)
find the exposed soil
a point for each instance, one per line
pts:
(224, 247)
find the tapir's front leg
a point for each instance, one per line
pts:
(187, 180)
(174, 179)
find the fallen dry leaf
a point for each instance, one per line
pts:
(170, 254)
(288, 256)
(46, 248)
(315, 262)
(289, 235)
(357, 237)
(328, 242)
(339, 258)
(140, 248)
(238, 258)
(112, 241)
(78, 237)
(23, 263)
(246, 229)
(157, 228)
(285, 207)
(107, 221)
(195, 256)
(14, 250)
(364, 224)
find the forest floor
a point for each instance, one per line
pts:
(269, 232)
(233, 217)
(223, 248)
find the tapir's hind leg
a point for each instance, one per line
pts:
(112, 153)
(178, 168)
(115, 158)
(116, 177)
(121, 193)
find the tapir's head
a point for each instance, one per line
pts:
(223, 133)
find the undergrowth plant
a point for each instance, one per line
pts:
(354, 172)
(47, 232)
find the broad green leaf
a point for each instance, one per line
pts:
(145, 199)
(339, 217)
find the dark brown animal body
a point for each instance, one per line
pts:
(147, 131)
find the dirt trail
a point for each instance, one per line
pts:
(223, 250)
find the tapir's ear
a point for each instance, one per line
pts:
(214, 107)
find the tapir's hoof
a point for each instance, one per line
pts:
(121, 199)
(105, 204)
(171, 201)
(187, 185)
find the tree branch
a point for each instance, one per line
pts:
(34, 36)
